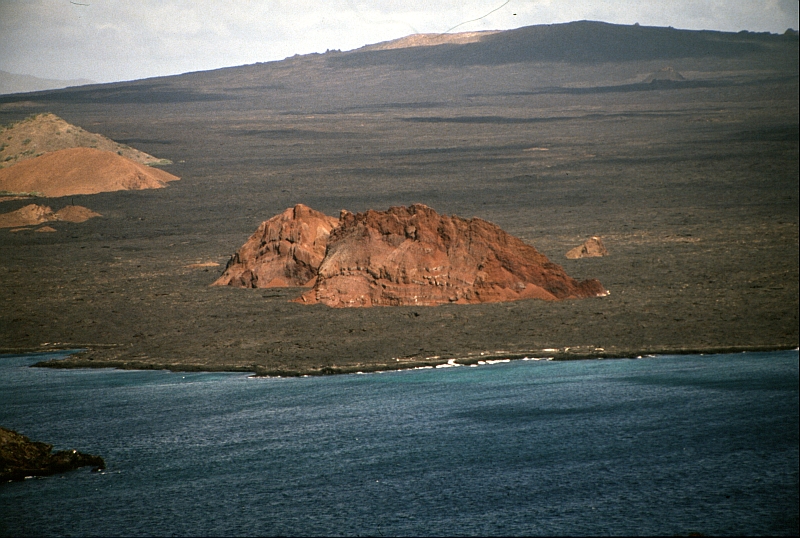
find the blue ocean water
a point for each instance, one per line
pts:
(664, 445)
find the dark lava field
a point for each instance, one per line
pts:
(555, 133)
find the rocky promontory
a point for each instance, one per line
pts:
(20, 457)
(285, 251)
(414, 256)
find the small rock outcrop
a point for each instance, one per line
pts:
(20, 457)
(75, 213)
(30, 215)
(591, 248)
(33, 215)
(80, 171)
(285, 251)
(414, 256)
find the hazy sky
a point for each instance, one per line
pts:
(110, 40)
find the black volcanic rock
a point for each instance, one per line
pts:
(20, 457)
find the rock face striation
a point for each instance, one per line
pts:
(285, 251)
(20, 457)
(80, 171)
(591, 248)
(414, 256)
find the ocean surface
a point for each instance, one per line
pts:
(664, 445)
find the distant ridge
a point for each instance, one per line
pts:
(14, 83)
(577, 42)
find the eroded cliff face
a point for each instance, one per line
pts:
(285, 251)
(414, 256)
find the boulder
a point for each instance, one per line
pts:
(591, 248)
(414, 256)
(285, 251)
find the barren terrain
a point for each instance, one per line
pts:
(691, 184)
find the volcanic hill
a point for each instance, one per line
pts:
(47, 132)
(414, 256)
(402, 256)
(80, 171)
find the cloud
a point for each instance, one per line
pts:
(118, 40)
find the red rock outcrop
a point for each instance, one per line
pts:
(591, 248)
(285, 251)
(414, 256)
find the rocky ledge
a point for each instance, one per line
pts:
(20, 458)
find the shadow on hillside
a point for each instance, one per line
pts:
(655, 85)
(122, 93)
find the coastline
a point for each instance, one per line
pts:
(83, 359)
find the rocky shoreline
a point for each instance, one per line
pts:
(21, 458)
(84, 360)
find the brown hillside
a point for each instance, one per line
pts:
(429, 40)
(44, 133)
(80, 171)
(414, 256)
(285, 250)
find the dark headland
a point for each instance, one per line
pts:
(21, 458)
(679, 149)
